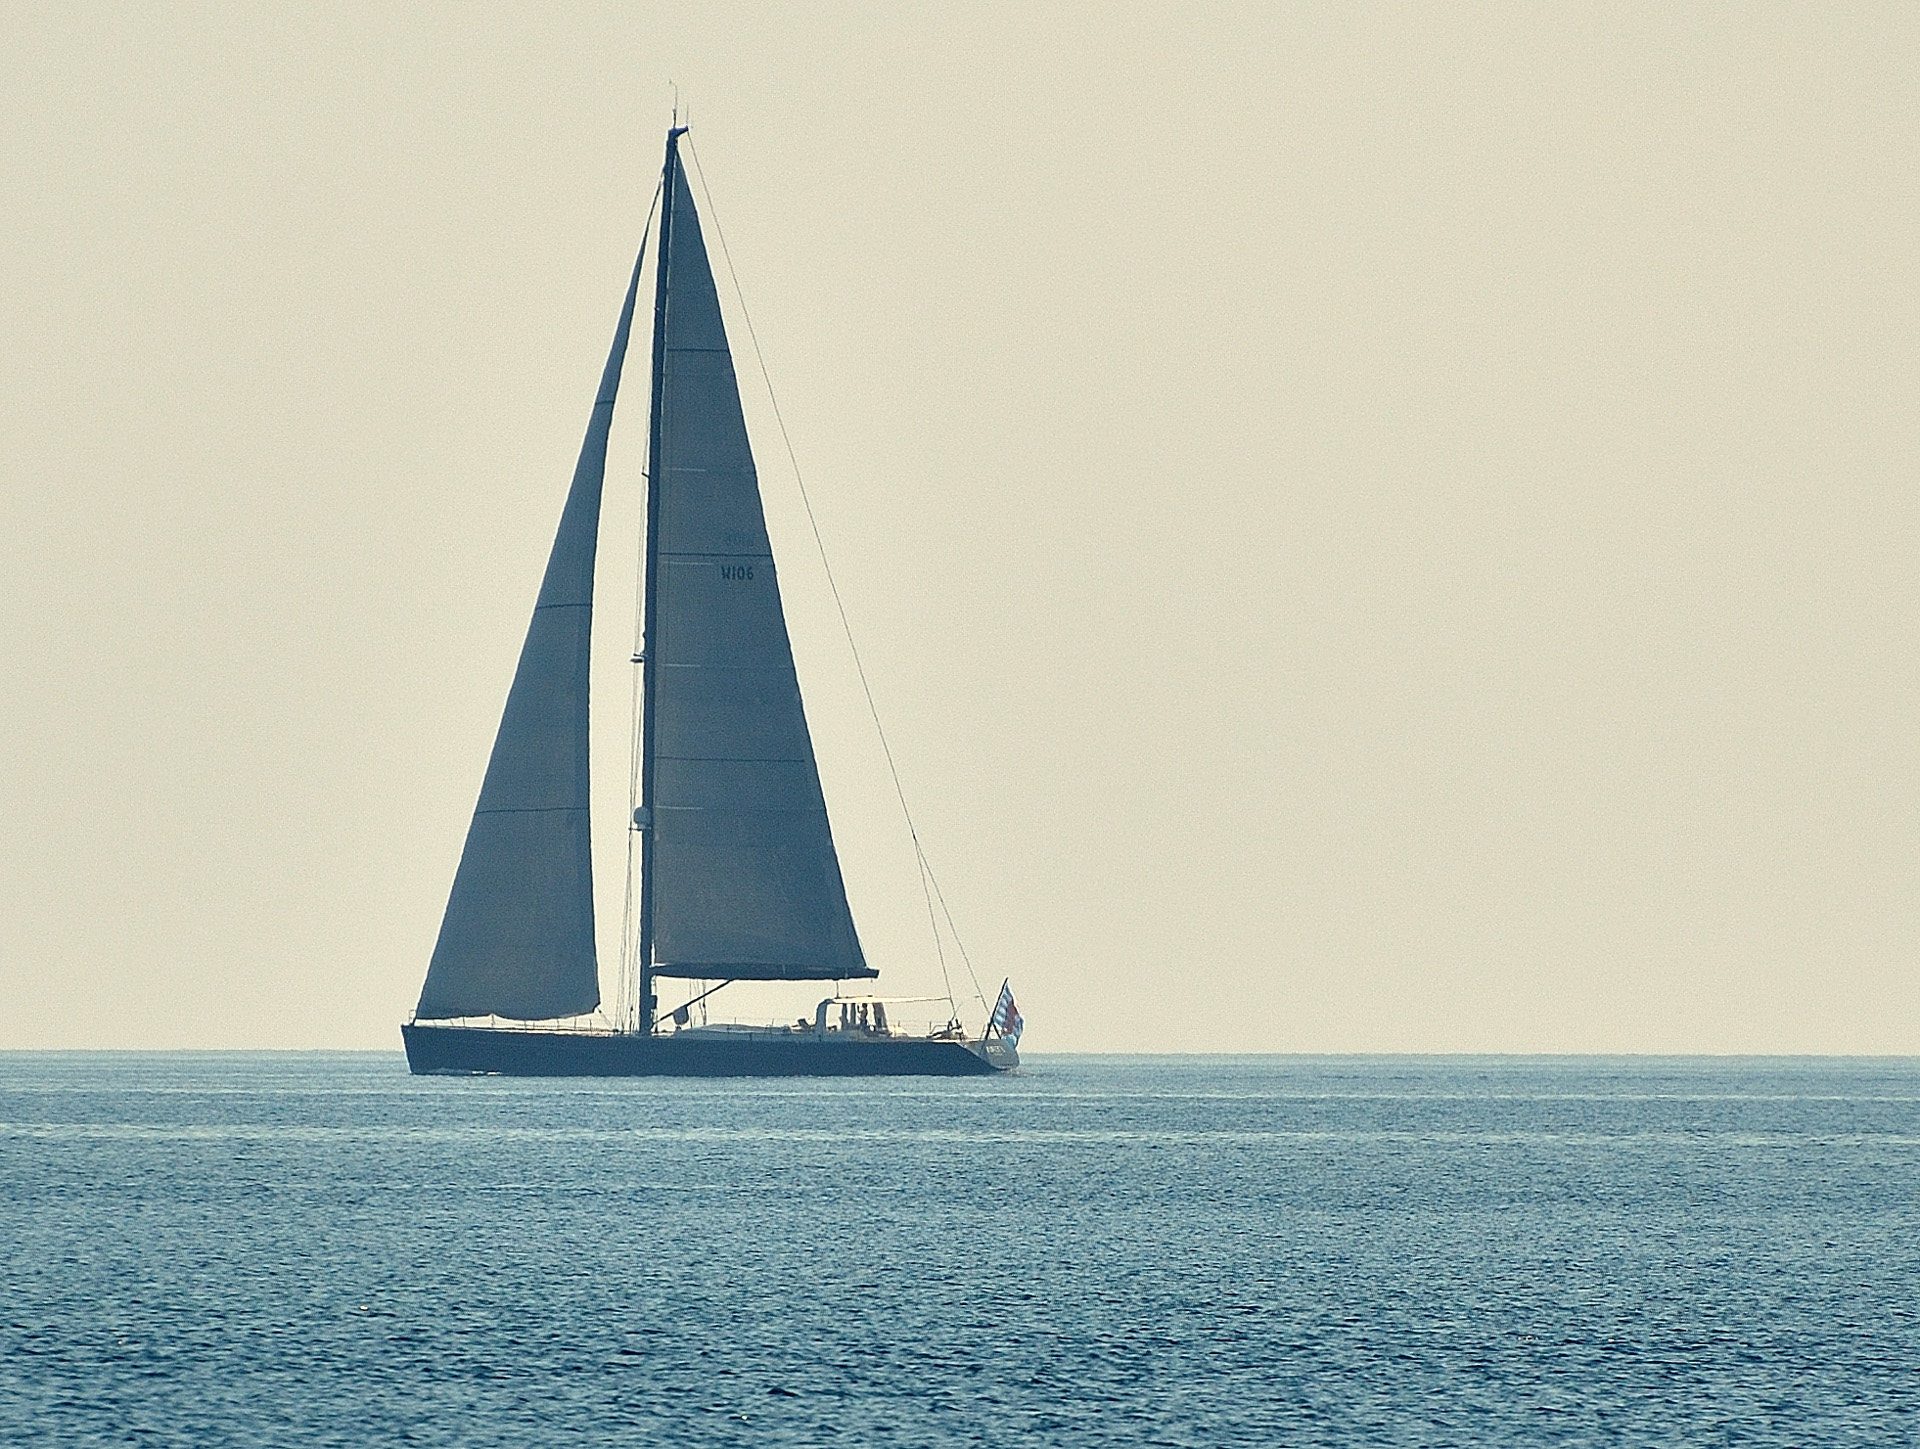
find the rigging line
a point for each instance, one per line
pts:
(959, 944)
(939, 949)
(819, 543)
(624, 988)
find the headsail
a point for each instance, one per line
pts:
(517, 938)
(742, 881)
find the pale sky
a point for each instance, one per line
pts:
(1372, 528)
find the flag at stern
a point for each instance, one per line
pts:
(1006, 1019)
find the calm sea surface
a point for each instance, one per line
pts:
(321, 1250)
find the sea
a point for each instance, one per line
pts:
(318, 1249)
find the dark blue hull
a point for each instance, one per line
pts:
(470, 1050)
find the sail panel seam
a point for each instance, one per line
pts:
(735, 759)
(742, 809)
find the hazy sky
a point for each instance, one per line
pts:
(1371, 527)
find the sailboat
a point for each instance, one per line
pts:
(738, 878)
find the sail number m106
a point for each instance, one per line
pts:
(740, 572)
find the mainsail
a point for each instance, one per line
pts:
(741, 879)
(517, 938)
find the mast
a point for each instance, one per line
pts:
(648, 651)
